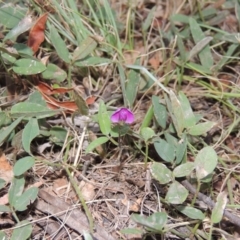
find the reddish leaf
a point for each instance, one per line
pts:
(48, 90)
(90, 100)
(36, 34)
(52, 103)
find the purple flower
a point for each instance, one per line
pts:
(122, 115)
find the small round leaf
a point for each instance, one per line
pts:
(22, 165)
(177, 193)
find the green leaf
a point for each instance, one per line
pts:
(156, 221)
(199, 46)
(28, 109)
(161, 173)
(177, 113)
(160, 112)
(148, 21)
(188, 115)
(148, 74)
(58, 135)
(199, 68)
(92, 61)
(132, 85)
(104, 119)
(86, 47)
(147, 118)
(205, 162)
(54, 72)
(132, 231)
(4, 208)
(59, 45)
(205, 54)
(218, 210)
(165, 150)
(28, 67)
(191, 212)
(8, 59)
(97, 142)
(11, 14)
(23, 26)
(23, 50)
(22, 165)
(4, 119)
(177, 193)
(16, 189)
(201, 128)
(26, 198)
(183, 170)
(5, 132)
(22, 230)
(147, 133)
(3, 236)
(181, 148)
(30, 131)
(36, 97)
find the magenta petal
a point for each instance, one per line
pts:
(115, 116)
(122, 115)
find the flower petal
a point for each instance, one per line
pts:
(122, 115)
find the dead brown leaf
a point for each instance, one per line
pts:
(87, 190)
(6, 170)
(36, 34)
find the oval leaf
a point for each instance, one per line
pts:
(104, 119)
(189, 117)
(28, 109)
(30, 131)
(177, 193)
(205, 162)
(22, 165)
(59, 45)
(161, 173)
(183, 170)
(54, 72)
(160, 112)
(217, 212)
(22, 231)
(28, 67)
(96, 143)
(191, 212)
(147, 133)
(4, 133)
(201, 128)
(16, 189)
(165, 150)
(156, 221)
(25, 199)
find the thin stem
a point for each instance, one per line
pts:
(146, 155)
(80, 196)
(197, 191)
(14, 214)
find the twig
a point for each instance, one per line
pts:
(207, 200)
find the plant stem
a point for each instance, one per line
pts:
(80, 196)
(197, 191)
(14, 214)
